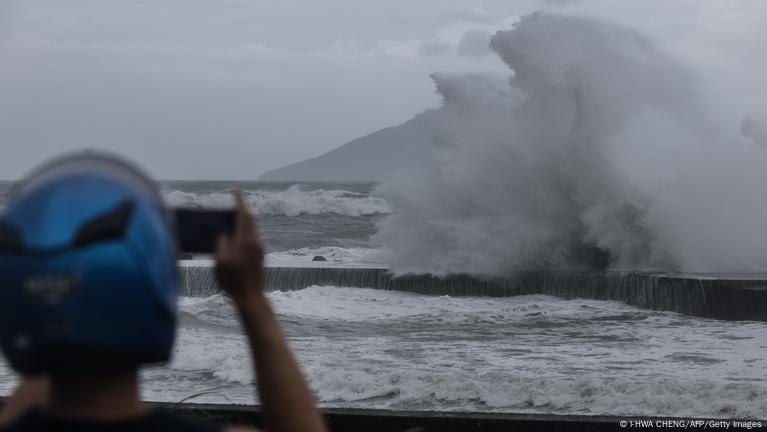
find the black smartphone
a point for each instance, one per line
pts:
(198, 230)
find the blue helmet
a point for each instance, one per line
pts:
(87, 268)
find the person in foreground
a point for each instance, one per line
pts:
(87, 295)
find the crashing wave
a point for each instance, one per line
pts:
(290, 202)
(597, 153)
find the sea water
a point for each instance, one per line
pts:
(366, 348)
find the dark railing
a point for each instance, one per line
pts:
(342, 419)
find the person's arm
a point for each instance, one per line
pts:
(30, 393)
(288, 404)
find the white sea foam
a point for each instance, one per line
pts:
(304, 257)
(366, 305)
(378, 349)
(459, 389)
(290, 202)
(8, 379)
(222, 354)
(335, 256)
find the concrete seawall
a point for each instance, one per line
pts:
(730, 297)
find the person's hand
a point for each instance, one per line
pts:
(240, 257)
(286, 400)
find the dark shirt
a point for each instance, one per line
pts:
(154, 421)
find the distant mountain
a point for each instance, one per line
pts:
(366, 159)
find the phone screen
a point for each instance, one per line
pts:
(198, 230)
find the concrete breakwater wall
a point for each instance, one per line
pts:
(730, 297)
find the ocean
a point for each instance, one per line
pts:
(367, 348)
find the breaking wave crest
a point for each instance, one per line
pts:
(290, 202)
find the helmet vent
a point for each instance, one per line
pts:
(109, 226)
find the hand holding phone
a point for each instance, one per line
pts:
(240, 258)
(198, 230)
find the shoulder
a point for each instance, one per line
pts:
(156, 421)
(28, 421)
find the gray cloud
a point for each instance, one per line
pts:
(435, 48)
(562, 3)
(200, 89)
(754, 130)
(475, 43)
(204, 89)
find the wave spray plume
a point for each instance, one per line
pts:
(597, 153)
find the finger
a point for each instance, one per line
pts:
(222, 247)
(245, 225)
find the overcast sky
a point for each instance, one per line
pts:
(227, 89)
